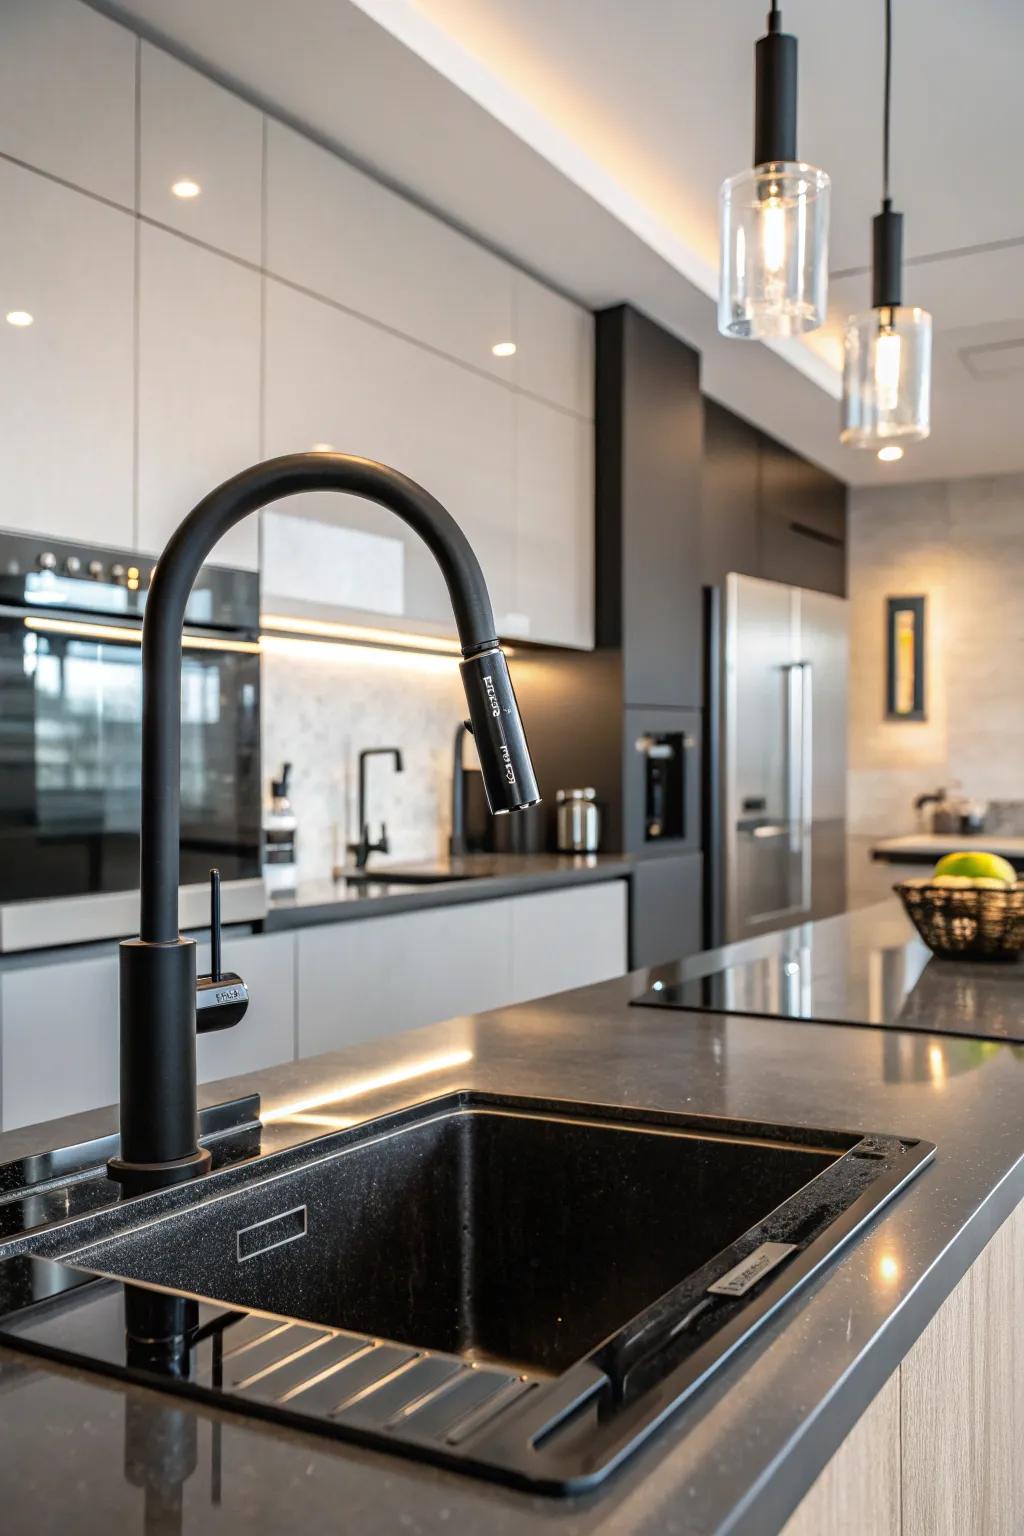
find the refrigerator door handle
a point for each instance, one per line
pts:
(799, 776)
(807, 778)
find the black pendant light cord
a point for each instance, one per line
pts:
(886, 199)
(887, 232)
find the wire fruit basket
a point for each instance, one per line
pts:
(967, 922)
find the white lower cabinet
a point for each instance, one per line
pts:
(564, 939)
(361, 980)
(266, 1035)
(364, 979)
(314, 990)
(59, 1039)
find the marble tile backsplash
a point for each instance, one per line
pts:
(961, 544)
(322, 703)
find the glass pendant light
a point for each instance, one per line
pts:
(774, 218)
(888, 351)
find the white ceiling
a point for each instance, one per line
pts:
(587, 139)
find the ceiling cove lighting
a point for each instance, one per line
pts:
(504, 349)
(773, 280)
(186, 187)
(888, 351)
(19, 317)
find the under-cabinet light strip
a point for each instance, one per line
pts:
(129, 636)
(356, 634)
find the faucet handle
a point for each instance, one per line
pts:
(222, 997)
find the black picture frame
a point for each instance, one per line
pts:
(905, 680)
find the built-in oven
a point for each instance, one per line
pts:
(70, 743)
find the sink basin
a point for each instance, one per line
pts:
(578, 1269)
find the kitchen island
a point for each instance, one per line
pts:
(907, 1338)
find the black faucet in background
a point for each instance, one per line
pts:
(457, 840)
(159, 1120)
(363, 848)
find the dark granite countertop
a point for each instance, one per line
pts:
(741, 1454)
(473, 877)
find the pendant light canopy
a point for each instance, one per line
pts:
(774, 218)
(888, 350)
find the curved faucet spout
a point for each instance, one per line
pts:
(158, 1099)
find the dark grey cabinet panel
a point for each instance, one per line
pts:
(665, 915)
(730, 514)
(768, 512)
(649, 450)
(803, 522)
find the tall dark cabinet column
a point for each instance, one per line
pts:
(627, 717)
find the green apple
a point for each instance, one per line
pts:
(976, 867)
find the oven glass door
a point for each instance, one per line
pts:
(70, 759)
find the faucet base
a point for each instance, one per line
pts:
(141, 1178)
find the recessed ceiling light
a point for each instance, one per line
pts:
(504, 349)
(186, 187)
(322, 448)
(891, 454)
(19, 317)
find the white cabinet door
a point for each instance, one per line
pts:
(555, 347)
(67, 96)
(65, 379)
(193, 131)
(59, 1040)
(199, 394)
(378, 976)
(554, 525)
(266, 1035)
(342, 234)
(337, 380)
(568, 938)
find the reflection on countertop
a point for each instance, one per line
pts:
(866, 967)
(473, 877)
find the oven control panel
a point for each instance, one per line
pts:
(67, 577)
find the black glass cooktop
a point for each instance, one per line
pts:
(896, 987)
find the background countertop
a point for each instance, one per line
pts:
(928, 847)
(473, 877)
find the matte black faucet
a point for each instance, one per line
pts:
(363, 848)
(159, 1119)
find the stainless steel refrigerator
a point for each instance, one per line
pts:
(778, 788)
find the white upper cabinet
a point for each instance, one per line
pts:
(199, 392)
(194, 134)
(342, 234)
(337, 380)
(554, 526)
(67, 95)
(66, 379)
(554, 347)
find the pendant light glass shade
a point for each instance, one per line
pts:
(774, 251)
(887, 377)
(887, 366)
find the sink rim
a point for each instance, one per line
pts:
(620, 1392)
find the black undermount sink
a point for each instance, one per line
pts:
(519, 1289)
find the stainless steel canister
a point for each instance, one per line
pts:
(578, 820)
